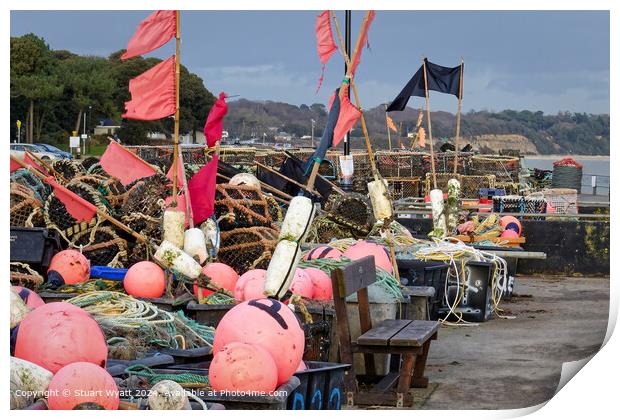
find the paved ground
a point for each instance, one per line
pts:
(516, 363)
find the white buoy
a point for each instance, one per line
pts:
(29, 382)
(298, 219)
(174, 227)
(453, 206)
(282, 268)
(212, 236)
(168, 395)
(172, 257)
(439, 219)
(194, 244)
(18, 309)
(381, 205)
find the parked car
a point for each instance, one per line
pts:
(55, 150)
(18, 150)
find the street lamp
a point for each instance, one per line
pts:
(312, 136)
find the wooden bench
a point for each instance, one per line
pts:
(408, 340)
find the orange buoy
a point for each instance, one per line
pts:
(508, 233)
(145, 280)
(80, 383)
(323, 251)
(321, 284)
(68, 267)
(365, 248)
(510, 223)
(302, 284)
(57, 334)
(250, 285)
(243, 367)
(30, 298)
(266, 323)
(222, 275)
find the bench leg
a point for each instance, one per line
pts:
(404, 381)
(419, 380)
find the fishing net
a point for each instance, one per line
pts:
(505, 168)
(274, 209)
(68, 168)
(400, 188)
(238, 206)
(32, 182)
(442, 181)
(324, 230)
(471, 184)
(444, 162)
(149, 227)
(238, 157)
(353, 211)
(147, 196)
(271, 159)
(89, 162)
(102, 247)
(110, 189)
(402, 164)
(23, 275)
(26, 209)
(247, 248)
(96, 169)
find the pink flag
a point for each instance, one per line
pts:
(76, 206)
(152, 33)
(325, 44)
(213, 125)
(124, 165)
(348, 116)
(361, 42)
(202, 191)
(153, 93)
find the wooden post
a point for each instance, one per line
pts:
(430, 129)
(388, 129)
(49, 168)
(177, 72)
(458, 120)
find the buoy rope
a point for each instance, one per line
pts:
(180, 378)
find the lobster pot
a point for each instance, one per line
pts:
(171, 257)
(567, 177)
(381, 205)
(282, 268)
(471, 184)
(174, 227)
(561, 200)
(298, 219)
(442, 181)
(247, 248)
(508, 204)
(535, 205)
(439, 220)
(354, 212)
(194, 244)
(29, 382)
(401, 188)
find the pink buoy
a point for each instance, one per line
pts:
(302, 284)
(57, 334)
(30, 298)
(145, 280)
(68, 267)
(221, 275)
(81, 383)
(364, 248)
(243, 367)
(510, 223)
(321, 284)
(323, 251)
(266, 323)
(302, 366)
(509, 234)
(250, 285)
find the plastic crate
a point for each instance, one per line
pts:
(321, 387)
(415, 272)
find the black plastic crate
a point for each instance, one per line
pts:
(34, 246)
(476, 304)
(321, 387)
(415, 272)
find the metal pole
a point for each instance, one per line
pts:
(177, 71)
(347, 47)
(458, 120)
(428, 120)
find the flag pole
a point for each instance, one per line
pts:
(177, 72)
(458, 120)
(388, 128)
(430, 130)
(49, 168)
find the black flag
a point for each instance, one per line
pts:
(439, 78)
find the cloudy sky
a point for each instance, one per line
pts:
(549, 61)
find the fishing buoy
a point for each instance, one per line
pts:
(212, 236)
(194, 244)
(19, 310)
(168, 395)
(266, 323)
(30, 298)
(145, 280)
(323, 251)
(221, 275)
(321, 284)
(298, 219)
(379, 198)
(302, 284)
(282, 268)
(245, 179)
(509, 233)
(68, 267)
(302, 366)
(57, 334)
(250, 285)
(174, 227)
(172, 257)
(453, 205)
(29, 382)
(364, 248)
(510, 223)
(80, 383)
(243, 367)
(439, 219)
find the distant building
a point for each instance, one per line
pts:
(283, 137)
(106, 128)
